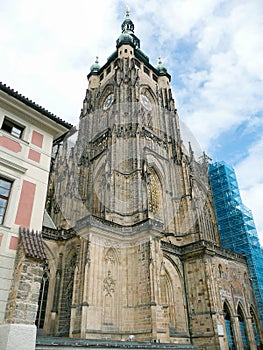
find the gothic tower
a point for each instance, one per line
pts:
(136, 246)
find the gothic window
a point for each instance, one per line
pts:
(42, 300)
(155, 203)
(229, 328)
(255, 326)
(66, 300)
(242, 325)
(98, 202)
(172, 298)
(220, 270)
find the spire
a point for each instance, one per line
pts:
(127, 35)
(127, 25)
(127, 12)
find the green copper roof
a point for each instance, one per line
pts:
(127, 25)
(125, 38)
(161, 68)
(95, 67)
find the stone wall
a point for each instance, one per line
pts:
(24, 292)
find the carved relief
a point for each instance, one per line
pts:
(110, 257)
(154, 193)
(109, 284)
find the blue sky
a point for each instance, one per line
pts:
(212, 48)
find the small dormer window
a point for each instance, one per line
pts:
(146, 70)
(12, 127)
(108, 70)
(137, 63)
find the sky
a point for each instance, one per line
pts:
(213, 50)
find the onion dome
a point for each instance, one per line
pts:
(127, 35)
(161, 68)
(125, 38)
(95, 67)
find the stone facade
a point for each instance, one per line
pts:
(22, 304)
(137, 252)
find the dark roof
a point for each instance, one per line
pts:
(139, 54)
(33, 105)
(33, 244)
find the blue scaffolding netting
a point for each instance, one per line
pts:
(236, 224)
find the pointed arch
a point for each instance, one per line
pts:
(255, 324)
(43, 298)
(204, 212)
(172, 298)
(98, 193)
(108, 89)
(111, 256)
(67, 290)
(228, 314)
(243, 325)
(155, 194)
(46, 292)
(110, 289)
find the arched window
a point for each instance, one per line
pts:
(66, 300)
(255, 326)
(172, 298)
(242, 325)
(220, 270)
(42, 300)
(155, 201)
(229, 328)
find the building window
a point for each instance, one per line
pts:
(5, 187)
(146, 70)
(12, 127)
(155, 78)
(242, 324)
(229, 328)
(42, 300)
(255, 327)
(108, 70)
(137, 63)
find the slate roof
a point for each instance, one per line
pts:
(33, 244)
(34, 105)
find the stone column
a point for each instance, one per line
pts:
(19, 330)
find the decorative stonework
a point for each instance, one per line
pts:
(109, 284)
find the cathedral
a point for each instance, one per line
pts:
(131, 244)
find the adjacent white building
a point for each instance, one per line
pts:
(27, 132)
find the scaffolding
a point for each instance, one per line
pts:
(236, 224)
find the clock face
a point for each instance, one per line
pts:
(146, 103)
(108, 101)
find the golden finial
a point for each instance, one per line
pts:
(127, 11)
